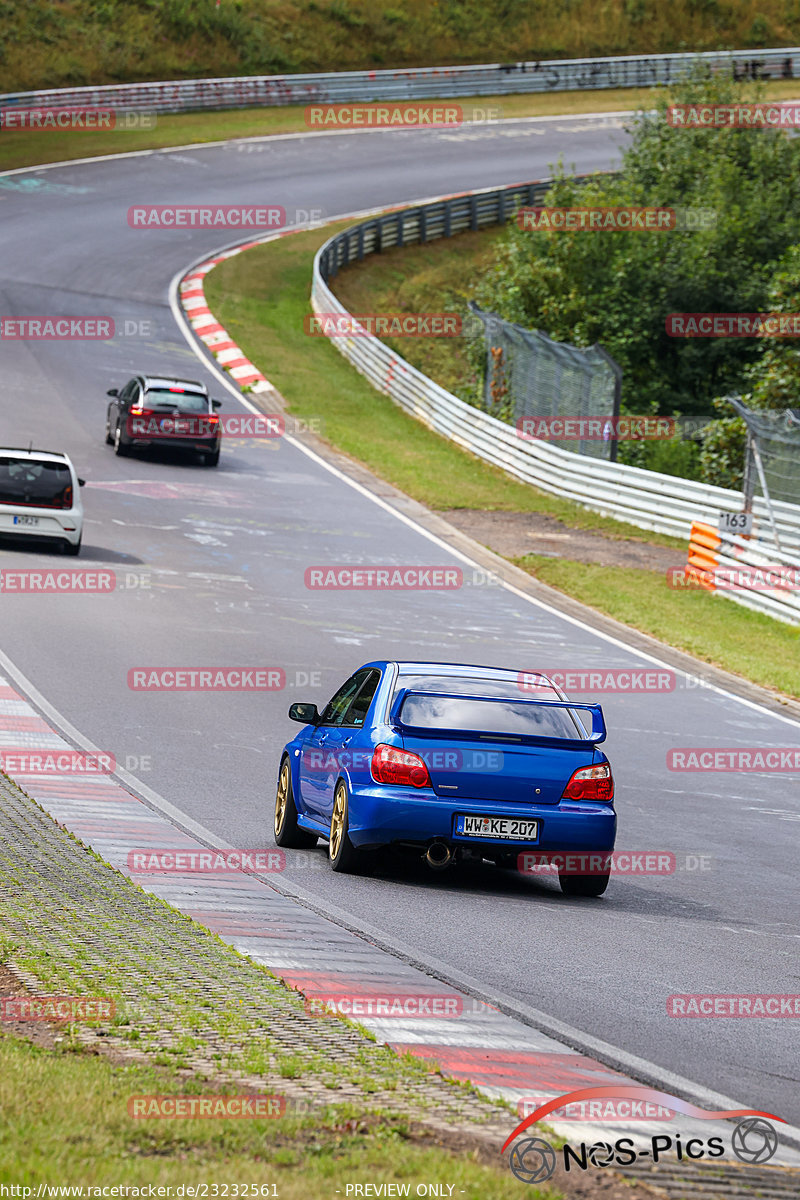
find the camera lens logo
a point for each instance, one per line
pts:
(533, 1160)
(601, 1154)
(754, 1140)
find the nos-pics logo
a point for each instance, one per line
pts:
(533, 1160)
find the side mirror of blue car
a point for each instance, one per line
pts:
(306, 714)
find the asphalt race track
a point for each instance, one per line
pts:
(224, 553)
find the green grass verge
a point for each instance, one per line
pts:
(712, 628)
(437, 277)
(261, 297)
(24, 149)
(88, 41)
(221, 1008)
(196, 1017)
(65, 1122)
(440, 276)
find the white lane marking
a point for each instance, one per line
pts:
(783, 814)
(312, 133)
(192, 341)
(552, 1027)
(205, 539)
(73, 735)
(137, 525)
(473, 135)
(35, 186)
(214, 578)
(36, 741)
(569, 1034)
(14, 708)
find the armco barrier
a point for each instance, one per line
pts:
(664, 503)
(414, 83)
(736, 567)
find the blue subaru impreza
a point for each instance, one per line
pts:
(455, 762)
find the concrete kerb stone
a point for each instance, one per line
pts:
(176, 975)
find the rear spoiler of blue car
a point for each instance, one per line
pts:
(598, 731)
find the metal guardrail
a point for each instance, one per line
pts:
(740, 569)
(647, 499)
(414, 83)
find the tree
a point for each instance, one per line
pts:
(771, 382)
(618, 288)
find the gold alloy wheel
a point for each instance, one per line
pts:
(337, 821)
(281, 799)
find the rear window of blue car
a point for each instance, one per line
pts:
(463, 712)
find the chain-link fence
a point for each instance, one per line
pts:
(527, 374)
(772, 465)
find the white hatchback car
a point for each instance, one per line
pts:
(40, 497)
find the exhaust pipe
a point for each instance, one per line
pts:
(438, 856)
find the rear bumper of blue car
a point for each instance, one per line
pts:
(379, 816)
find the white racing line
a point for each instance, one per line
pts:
(192, 340)
(535, 1032)
(638, 1068)
(513, 122)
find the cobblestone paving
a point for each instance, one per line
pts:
(69, 924)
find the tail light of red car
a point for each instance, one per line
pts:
(400, 767)
(590, 783)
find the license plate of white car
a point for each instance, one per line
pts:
(26, 520)
(511, 829)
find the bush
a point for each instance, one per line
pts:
(673, 457)
(722, 453)
(618, 288)
(772, 382)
